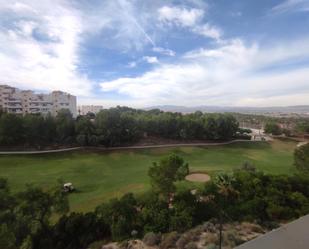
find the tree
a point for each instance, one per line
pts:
(7, 237)
(117, 126)
(183, 211)
(38, 205)
(11, 129)
(78, 230)
(49, 129)
(65, 126)
(164, 174)
(84, 128)
(301, 157)
(272, 128)
(154, 214)
(34, 126)
(121, 215)
(303, 127)
(108, 127)
(224, 197)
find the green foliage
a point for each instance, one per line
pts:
(182, 214)
(164, 174)
(155, 214)
(121, 215)
(7, 238)
(113, 127)
(65, 127)
(269, 198)
(303, 126)
(244, 195)
(272, 128)
(78, 230)
(11, 129)
(116, 127)
(25, 217)
(85, 129)
(301, 157)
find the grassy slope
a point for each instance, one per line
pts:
(100, 176)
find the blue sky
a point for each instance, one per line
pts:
(151, 52)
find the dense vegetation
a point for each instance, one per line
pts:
(113, 127)
(243, 195)
(301, 157)
(272, 128)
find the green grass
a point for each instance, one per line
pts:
(100, 176)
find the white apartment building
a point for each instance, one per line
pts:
(14, 100)
(84, 109)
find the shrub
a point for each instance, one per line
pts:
(301, 157)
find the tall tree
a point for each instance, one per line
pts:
(164, 174)
(11, 129)
(65, 126)
(301, 157)
(272, 128)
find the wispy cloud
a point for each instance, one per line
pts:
(231, 74)
(164, 51)
(42, 44)
(151, 59)
(188, 18)
(208, 31)
(180, 16)
(40, 47)
(291, 6)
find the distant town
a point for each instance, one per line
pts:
(14, 100)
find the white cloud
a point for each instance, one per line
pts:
(41, 46)
(132, 64)
(208, 31)
(164, 51)
(151, 59)
(180, 16)
(231, 74)
(188, 18)
(121, 24)
(49, 61)
(291, 5)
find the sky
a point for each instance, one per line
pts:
(143, 53)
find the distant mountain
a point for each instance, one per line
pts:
(301, 109)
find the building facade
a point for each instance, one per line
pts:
(14, 100)
(84, 109)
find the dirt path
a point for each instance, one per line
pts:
(125, 147)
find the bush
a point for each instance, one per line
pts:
(301, 157)
(81, 140)
(273, 128)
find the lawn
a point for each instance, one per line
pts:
(100, 176)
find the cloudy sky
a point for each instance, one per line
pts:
(156, 52)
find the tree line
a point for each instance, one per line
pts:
(243, 195)
(113, 127)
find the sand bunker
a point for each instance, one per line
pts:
(198, 177)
